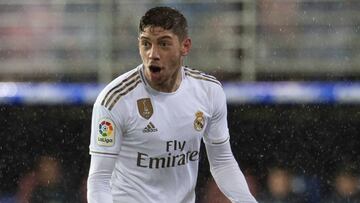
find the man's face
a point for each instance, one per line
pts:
(161, 52)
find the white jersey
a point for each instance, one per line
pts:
(156, 136)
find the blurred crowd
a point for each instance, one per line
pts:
(282, 186)
(45, 183)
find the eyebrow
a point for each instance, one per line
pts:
(142, 37)
(165, 37)
(161, 38)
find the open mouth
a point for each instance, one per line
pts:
(154, 69)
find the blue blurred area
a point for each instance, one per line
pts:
(293, 92)
(48, 93)
(237, 93)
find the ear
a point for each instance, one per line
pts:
(185, 46)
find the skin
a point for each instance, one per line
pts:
(162, 53)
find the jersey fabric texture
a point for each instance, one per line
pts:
(156, 136)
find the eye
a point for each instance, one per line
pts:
(164, 44)
(145, 44)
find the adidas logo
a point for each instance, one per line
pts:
(150, 128)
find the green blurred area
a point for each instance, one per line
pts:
(94, 41)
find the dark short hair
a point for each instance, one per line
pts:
(166, 18)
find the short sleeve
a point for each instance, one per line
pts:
(217, 131)
(106, 133)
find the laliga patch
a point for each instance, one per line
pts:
(106, 132)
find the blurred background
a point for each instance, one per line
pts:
(290, 70)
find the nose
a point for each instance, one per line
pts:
(154, 53)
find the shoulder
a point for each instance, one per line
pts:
(208, 85)
(201, 77)
(205, 85)
(117, 88)
(203, 81)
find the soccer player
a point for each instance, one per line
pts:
(148, 123)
